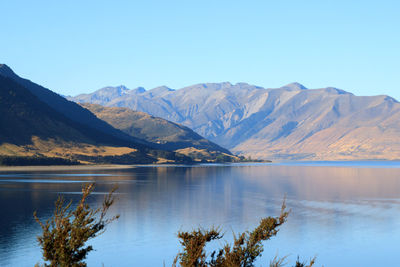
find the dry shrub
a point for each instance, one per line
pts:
(244, 251)
(66, 232)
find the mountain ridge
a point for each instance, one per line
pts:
(290, 122)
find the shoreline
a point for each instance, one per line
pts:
(65, 167)
(355, 163)
(105, 166)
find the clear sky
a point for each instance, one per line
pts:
(75, 47)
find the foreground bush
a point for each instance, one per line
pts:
(244, 251)
(66, 232)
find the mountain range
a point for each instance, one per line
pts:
(36, 122)
(290, 122)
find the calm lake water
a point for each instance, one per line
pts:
(345, 213)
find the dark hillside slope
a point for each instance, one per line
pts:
(73, 112)
(23, 115)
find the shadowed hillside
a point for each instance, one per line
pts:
(70, 110)
(24, 116)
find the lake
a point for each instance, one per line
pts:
(344, 213)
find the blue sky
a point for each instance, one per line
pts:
(80, 46)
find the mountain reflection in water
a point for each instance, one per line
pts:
(346, 216)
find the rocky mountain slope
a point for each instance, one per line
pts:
(291, 122)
